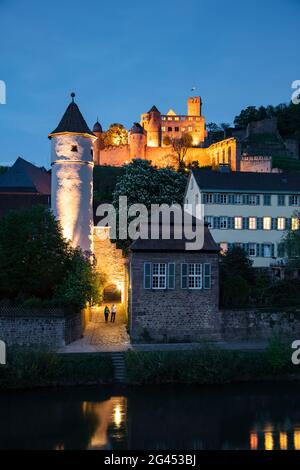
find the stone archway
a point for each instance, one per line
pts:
(112, 293)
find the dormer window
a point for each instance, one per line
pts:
(74, 148)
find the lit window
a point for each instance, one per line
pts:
(190, 128)
(159, 275)
(252, 249)
(293, 200)
(170, 118)
(195, 276)
(176, 118)
(281, 223)
(198, 119)
(224, 247)
(223, 222)
(267, 223)
(190, 118)
(163, 118)
(183, 129)
(252, 223)
(295, 223)
(238, 223)
(163, 128)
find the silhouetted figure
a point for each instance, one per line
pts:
(106, 313)
(113, 313)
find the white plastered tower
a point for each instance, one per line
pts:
(72, 177)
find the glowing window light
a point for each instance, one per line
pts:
(269, 441)
(283, 441)
(253, 441)
(117, 416)
(297, 439)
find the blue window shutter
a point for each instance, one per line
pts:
(147, 275)
(231, 223)
(258, 249)
(216, 198)
(184, 276)
(207, 276)
(245, 247)
(288, 223)
(245, 223)
(171, 275)
(272, 250)
(274, 223)
(231, 199)
(258, 199)
(262, 250)
(259, 223)
(216, 222)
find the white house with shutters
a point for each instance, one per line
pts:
(251, 210)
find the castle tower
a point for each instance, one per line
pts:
(194, 106)
(72, 177)
(137, 141)
(151, 122)
(97, 145)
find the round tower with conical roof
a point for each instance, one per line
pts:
(151, 122)
(72, 177)
(137, 141)
(98, 144)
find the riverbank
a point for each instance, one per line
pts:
(207, 365)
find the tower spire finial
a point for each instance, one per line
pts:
(72, 96)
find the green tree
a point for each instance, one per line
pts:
(116, 135)
(236, 278)
(35, 259)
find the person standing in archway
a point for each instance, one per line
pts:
(113, 313)
(106, 313)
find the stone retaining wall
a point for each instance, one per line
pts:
(255, 324)
(50, 327)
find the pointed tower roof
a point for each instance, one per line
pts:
(25, 177)
(97, 127)
(153, 110)
(137, 129)
(72, 121)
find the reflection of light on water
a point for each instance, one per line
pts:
(253, 441)
(297, 439)
(117, 416)
(283, 441)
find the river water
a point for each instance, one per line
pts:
(244, 416)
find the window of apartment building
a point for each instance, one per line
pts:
(190, 129)
(182, 118)
(281, 250)
(183, 129)
(267, 250)
(163, 128)
(252, 200)
(190, 118)
(281, 223)
(208, 198)
(238, 199)
(176, 129)
(267, 223)
(252, 223)
(176, 118)
(223, 222)
(295, 223)
(252, 249)
(293, 200)
(281, 199)
(222, 198)
(209, 220)
(159, 275)
(267, 199)
(169, 129)
(238, 223)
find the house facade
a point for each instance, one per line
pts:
(174, 292)
(251, 210)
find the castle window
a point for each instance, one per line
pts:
(169, 129)
(163, 128)
(74, 148)
(159, 275)
(198, 119)
(176, 129)
(190, 129)
(163, 118)
(183, 129)
(190, 118)
(170, 118)
(176, 118)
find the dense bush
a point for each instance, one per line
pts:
(38, 265)
(208, 365)
(31, 368)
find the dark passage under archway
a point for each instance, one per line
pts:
(112, 293)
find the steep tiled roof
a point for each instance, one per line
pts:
(25, 177)
(153, 110)
(137, 129)
(247, 181)
(72, 121)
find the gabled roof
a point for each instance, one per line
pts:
(153, 110)
(247, 181)
(173, 244)
(72, 121)
(171, 112)
(25, 177)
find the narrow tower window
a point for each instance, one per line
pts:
(74, 148)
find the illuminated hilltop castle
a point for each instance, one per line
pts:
(147, 140)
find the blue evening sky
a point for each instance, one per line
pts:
(121, 57)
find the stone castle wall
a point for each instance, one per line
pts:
(41, 327)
